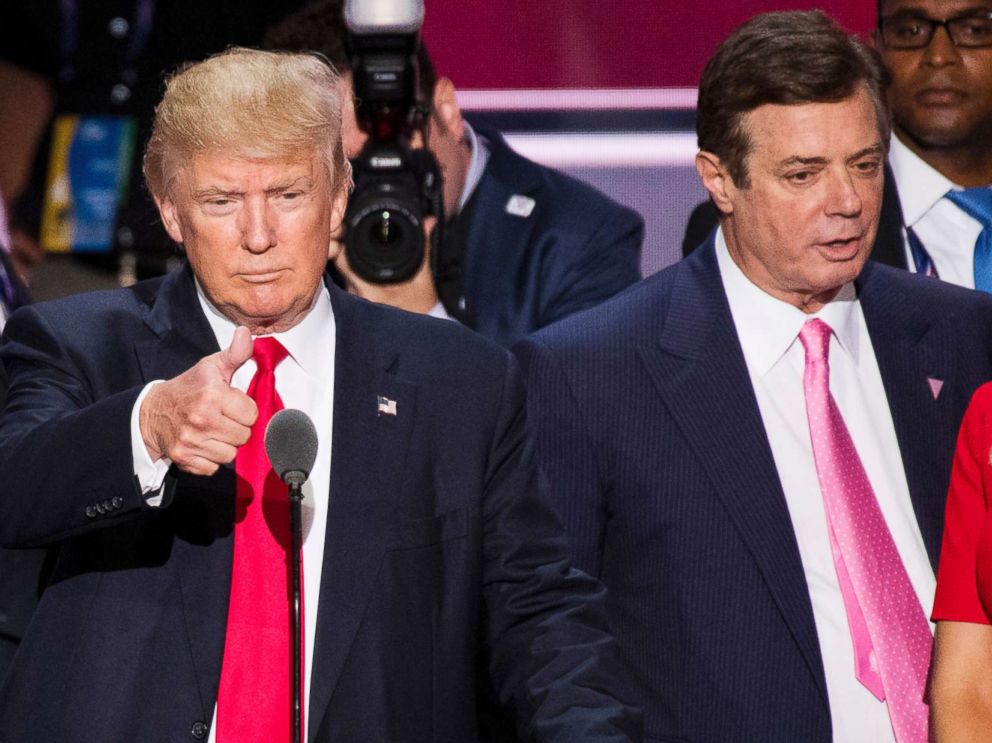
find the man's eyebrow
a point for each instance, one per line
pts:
(920, 11)
(797, 160)
(304, 182)
(213, 191)
(875, 149)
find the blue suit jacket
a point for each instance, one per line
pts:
(574, 250)
(442, 566)
(649, 430)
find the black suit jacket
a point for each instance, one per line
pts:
(649, 431)
(889, 247)
(442, 564)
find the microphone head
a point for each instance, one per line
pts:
(291, 443)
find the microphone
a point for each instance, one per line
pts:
(291, 443)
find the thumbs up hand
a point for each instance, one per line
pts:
(197, 419)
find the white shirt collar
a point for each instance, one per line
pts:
(767, 327)
(307, 341)
(476, 165)
(928, 184)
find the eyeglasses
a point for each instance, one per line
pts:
(915, 32)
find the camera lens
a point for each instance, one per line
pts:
(384, 242)
(387, 233)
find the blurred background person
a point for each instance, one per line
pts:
(78, 84)
(939, 56)
(522, 246)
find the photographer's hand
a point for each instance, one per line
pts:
(417, 294)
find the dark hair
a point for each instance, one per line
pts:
(319, 27)
(782, 58)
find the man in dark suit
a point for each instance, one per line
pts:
(431, 566)
(940, 93)
(752, 447)
(523, 246)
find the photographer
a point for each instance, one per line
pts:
(522, 245)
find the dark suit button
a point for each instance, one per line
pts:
(90, 512)
(117, 501)
(199, 730)
(107, 506)
(99, 508)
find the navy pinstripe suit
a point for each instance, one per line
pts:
(650, 435)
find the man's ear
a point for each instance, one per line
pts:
(445, 102)
(170, 217)
(338, 206)
(716, 180)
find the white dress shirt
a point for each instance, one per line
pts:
(947, 232)
(768, 329)
(304, 380)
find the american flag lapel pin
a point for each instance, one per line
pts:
(386, 406)
(935, 386)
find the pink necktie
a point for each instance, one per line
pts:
(254, 698)
(889, 631)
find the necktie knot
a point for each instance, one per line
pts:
(815, 337)
(975, 202)
(268, 352)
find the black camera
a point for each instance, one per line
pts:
(396, 186)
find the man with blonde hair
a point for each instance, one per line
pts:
(132, 442)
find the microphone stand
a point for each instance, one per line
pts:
(295, 480)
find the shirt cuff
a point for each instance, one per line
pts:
(150, 474)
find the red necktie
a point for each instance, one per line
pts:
(889, 630)
(253, 702)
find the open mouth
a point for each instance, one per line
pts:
(843, 247)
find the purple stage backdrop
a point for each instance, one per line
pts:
(595, 43)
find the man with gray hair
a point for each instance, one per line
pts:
(131, 442)
(752, 448)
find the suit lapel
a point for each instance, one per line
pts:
(183, 333)
(368, 453)
(496, 234)
(204, 514)
(910, 349)
(700, 372)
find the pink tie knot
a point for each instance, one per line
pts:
(815, 337)
(268, 352)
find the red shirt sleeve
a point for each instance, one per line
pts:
(964, 575)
